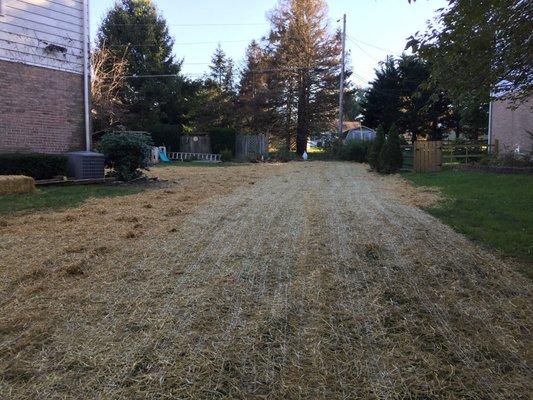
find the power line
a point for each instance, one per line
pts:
(197, 25)
(180, 44)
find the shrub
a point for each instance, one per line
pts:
(37, 166)
(390, 157)
(222, 139)
(355, 151)
(126, 153)
(375, 149)
(226, 155)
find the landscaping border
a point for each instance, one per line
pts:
(494, 169)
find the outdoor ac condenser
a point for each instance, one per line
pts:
(86, 165)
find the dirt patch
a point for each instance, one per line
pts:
(314, 282)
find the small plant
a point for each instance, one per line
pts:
(226, 155)
(126, 153)
(375, 150)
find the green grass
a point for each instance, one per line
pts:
(55, 197)
(494, 209)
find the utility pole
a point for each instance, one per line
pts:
(341, 94)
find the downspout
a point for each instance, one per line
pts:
(86, 73)
(489, 136)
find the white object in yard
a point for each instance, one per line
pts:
(304, 156)
(155, 155)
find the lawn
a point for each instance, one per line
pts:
(494, 209)
(55, 197)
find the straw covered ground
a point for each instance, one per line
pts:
(302, 280)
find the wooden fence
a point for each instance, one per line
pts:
(250, 146)
(196, 144)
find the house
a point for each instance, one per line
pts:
(511, 128)
(44, 81)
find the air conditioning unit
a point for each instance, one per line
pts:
(86, 165)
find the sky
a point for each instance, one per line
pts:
(375, 28)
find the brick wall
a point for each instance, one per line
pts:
(41, 110)
(511, 127)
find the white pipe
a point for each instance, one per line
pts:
(489, 136)
(86, 73)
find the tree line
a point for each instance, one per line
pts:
(288, 87)
(289, 84)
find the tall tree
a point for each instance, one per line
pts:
(305, 67)
(134, 29)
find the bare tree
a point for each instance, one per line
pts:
(107, 82)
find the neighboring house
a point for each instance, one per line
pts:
(43, 75)
(511, 128)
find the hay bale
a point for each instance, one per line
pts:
(11, 184)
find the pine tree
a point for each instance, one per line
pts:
(254, 110)
(135, 32)
(305, 68)
(390, 156)
(375, 149)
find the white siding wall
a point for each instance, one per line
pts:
(45, 33)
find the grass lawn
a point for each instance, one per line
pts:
(495, 209)
(54, 197)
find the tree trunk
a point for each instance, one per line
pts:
(302, 128)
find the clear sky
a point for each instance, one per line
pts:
(375, 28)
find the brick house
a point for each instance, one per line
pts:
(512, 128)
(43, 75)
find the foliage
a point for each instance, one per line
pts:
(135, 33)
(510, 159)
(495, 209)
(213, 105)
(402, 94)
(222, 139)
(254, 110)
(375, 149)
(35, 165)
(391, 157)
(126, 153)
(487, 41)
(166, 135)
(226, 155)
(60, 197)
(355, 151)
(303, 74)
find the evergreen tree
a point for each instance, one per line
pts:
(305, 68)
(253, 107)
(375, 149)
(135, 32)
(390, 156)
(382, 102)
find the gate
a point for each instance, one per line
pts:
(427, 156)
(251, 146)
(423, 156)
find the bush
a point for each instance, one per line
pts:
(390, 157)
(355, 151)
(126, 153)
(226, 155)
(222, 139)
(37, 166)
(375, 149)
